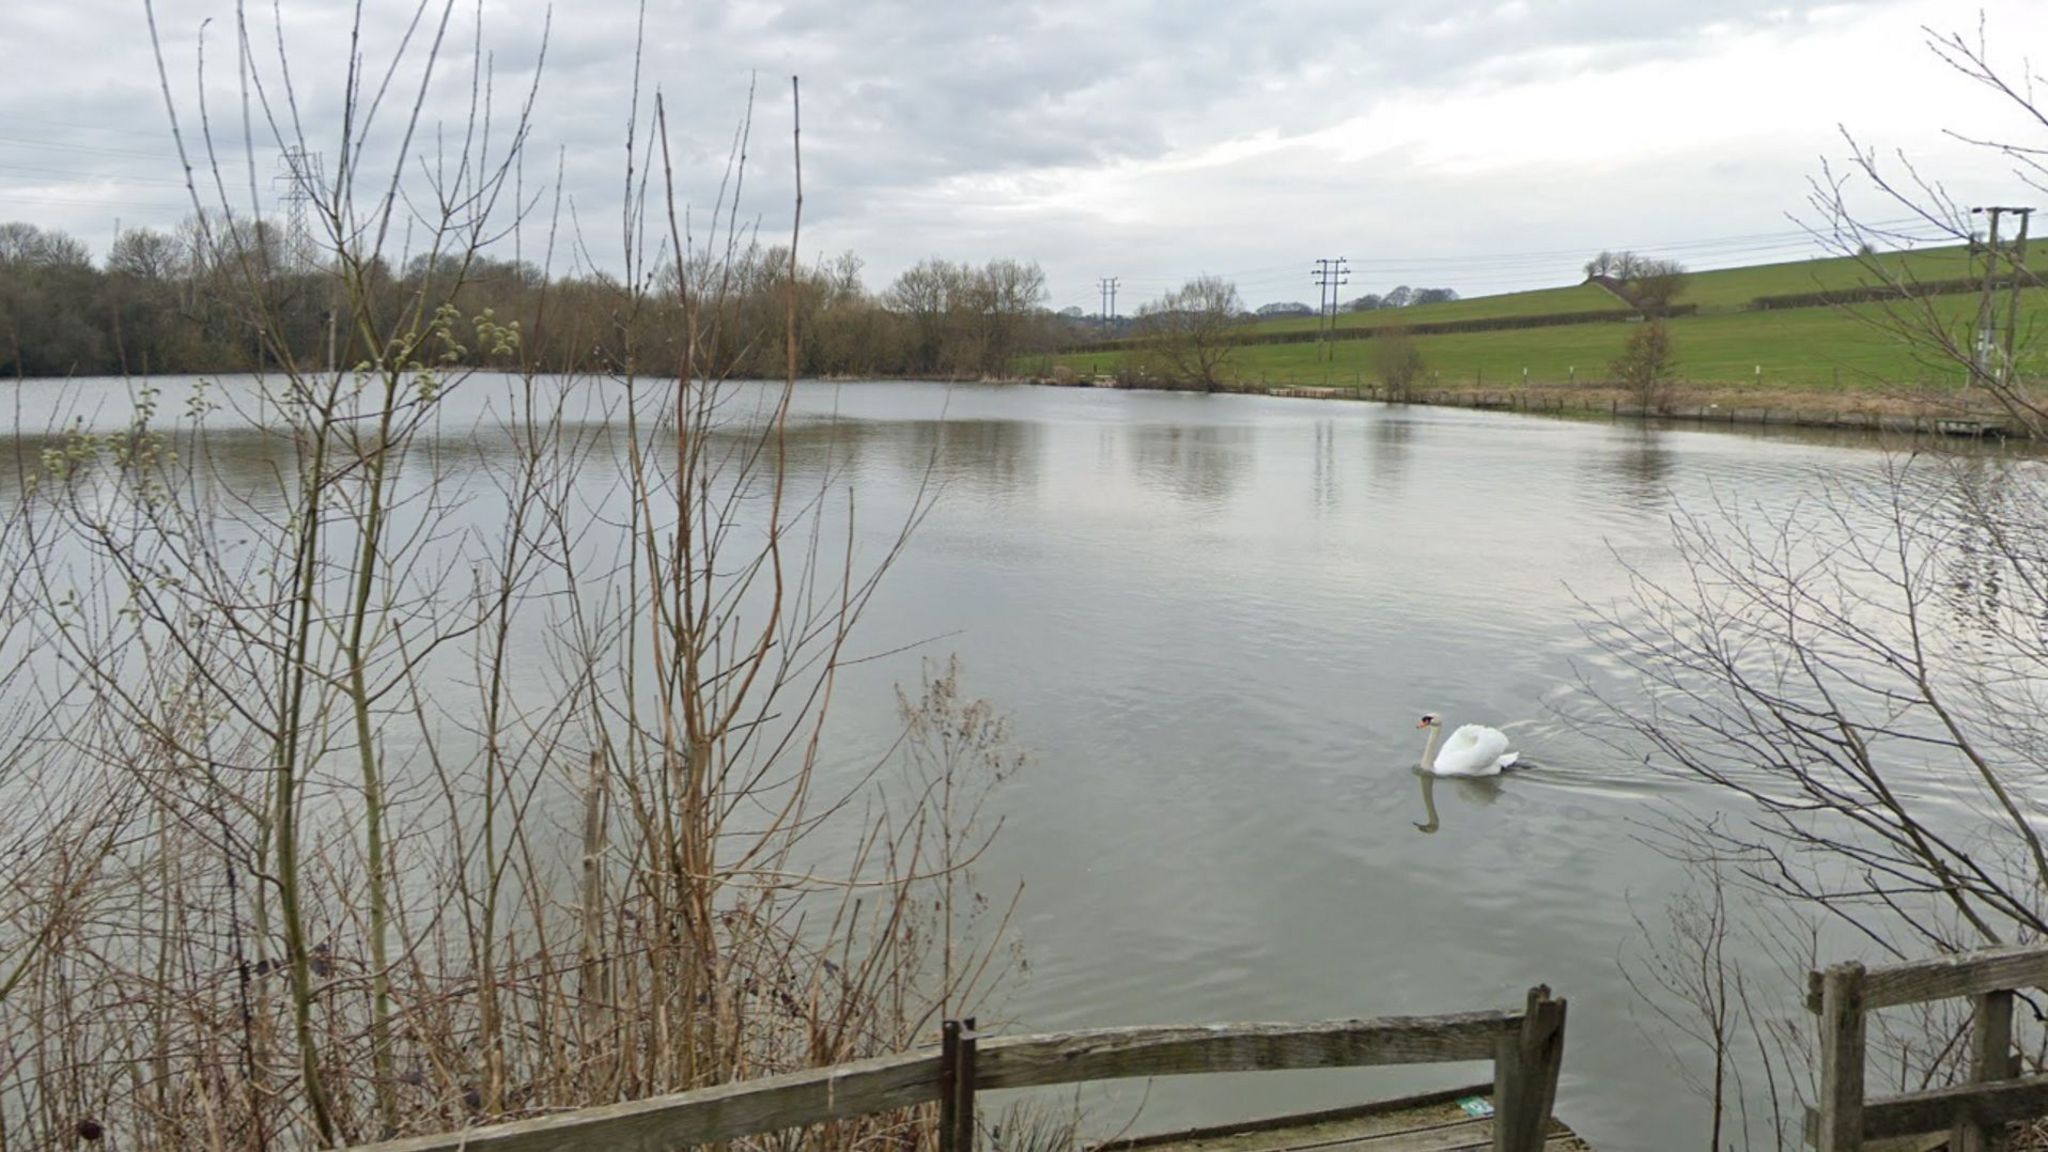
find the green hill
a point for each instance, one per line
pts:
(1723, 341)
(1541, 302)
(1736, 287)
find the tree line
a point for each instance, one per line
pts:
(182, 301)
(1401, 296)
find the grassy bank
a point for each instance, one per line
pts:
(1726, 346)
(1824, 349)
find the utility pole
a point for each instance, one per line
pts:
(2012, 305)
(1330, 274)
(1985, 343)
(1108, 286)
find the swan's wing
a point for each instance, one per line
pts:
(1472, 750)
(1481, 739)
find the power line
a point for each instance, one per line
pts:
(81, 175)
(1723, 247)
(12, 198)
(158, 134)
(63, 147)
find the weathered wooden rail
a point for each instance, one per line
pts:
(1971, 1113)
(1526, 1047)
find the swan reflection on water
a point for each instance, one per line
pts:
(1475, 790)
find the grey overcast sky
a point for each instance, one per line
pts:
(1483, 145)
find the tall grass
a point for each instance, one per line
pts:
(353, 796)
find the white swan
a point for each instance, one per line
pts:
(1472, 750)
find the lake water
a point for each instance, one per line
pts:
(1214, 621)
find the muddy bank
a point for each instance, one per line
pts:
(1925, 415)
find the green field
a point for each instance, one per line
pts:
(1724, 344)
(1797, 348)
(1736, 287)
(1541, 302)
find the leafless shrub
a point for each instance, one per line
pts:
(1864, 673)
(1398, 362)
(1186, 334)
(1747, 1027)
(1992, 353)
(382, 797)
(1647, 365)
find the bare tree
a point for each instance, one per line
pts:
(1862, 672)
(1397, 362)
(1656, 285)
(1946, 331)
(1822, 662)
(1649, 284)
(1865, 673)
(1647, 365)
(378, 793)
(1742, 1025)
(1187, 332)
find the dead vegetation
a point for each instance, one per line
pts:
(349, 798)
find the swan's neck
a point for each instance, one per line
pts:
(1429, 749)
(1429, 803)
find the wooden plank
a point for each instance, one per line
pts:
(708, 1115)
(1921, 1113)
(1841, 1125)
(1117, 1053)
(1433, 1123)
(1939, 977)
(1334, 1118)
(748, 1107)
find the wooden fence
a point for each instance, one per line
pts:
(1970, 1112)
(1526, 1047)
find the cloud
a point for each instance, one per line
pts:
(1431, 141)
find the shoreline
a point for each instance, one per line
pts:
(1705, 405)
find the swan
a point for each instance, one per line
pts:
(1472, 750)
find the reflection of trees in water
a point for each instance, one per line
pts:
(1637, 469)
(240, 465)
(990, 457)
(817, 449)
(1203, 463)
(1388, 437)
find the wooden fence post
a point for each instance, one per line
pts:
(963, 1088)
(1525, 1068)
(1990, 1059)
(949, 1083)
(1841, 1059)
